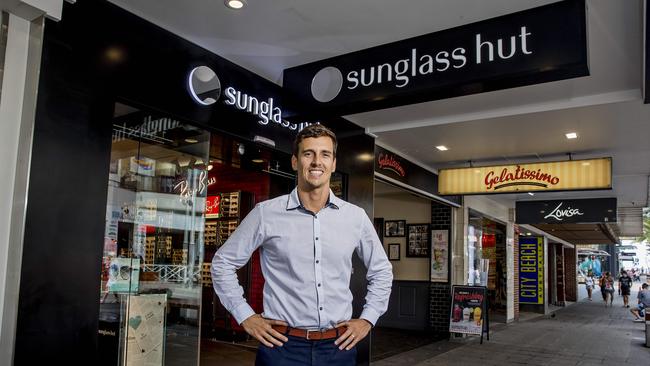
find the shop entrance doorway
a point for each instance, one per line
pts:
(241, 176)
(487, 261)
(402, 220)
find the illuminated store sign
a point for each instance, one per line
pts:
(389, 162)
(583, 211)
(534, 46)
(205, 88)
(531, 270)
(552, 176)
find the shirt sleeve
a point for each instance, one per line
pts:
(380, 272)
(230, 257)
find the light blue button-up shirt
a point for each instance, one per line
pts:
(306, 260)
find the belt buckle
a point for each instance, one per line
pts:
(310, 331)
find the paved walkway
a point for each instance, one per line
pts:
(585, 333)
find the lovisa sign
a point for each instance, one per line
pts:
(534, 46)
(552, 176)
(582, 211)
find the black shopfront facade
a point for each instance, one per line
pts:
(98, 61)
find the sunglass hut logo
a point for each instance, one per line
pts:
(205, 88)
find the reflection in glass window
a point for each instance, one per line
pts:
(150, 293)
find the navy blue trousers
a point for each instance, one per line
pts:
(302, 352)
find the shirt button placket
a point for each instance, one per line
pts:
(318, 270)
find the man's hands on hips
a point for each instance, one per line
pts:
(261, 329)
(358, 329)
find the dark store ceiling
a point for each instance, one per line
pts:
(513, 125)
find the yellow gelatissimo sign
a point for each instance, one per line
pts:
(552, 176)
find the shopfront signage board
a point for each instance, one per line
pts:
(468, 309)
(538, 45)
(531, 270)
(583, 211)
(528, 177)
(391, 166)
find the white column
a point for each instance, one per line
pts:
(11, 102)
(32, 9)
(17, 113)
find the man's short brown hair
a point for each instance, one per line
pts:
(315, 130)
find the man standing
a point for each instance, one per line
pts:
(306, 241)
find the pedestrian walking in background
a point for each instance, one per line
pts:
(601, 283)
(589, 284)
(624, 286)
(607, 288)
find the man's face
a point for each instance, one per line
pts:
(315, 162)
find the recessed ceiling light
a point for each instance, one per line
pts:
(442, 148)
(235, 4)
(531, 193)
(528, 234)
(257, 160)
(571, 135)
(191, 141)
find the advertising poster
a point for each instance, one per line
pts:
(145, 331)
(124, 275)
(531, 270)
(467, 310)
(439, 256)
(489, 244)
(213, 207)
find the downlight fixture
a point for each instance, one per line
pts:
(235, 4)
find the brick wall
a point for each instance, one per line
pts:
(570, 274)
(440, 293)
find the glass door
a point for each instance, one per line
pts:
(150, 293)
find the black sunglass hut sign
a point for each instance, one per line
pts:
(597, 210)
(539, 45)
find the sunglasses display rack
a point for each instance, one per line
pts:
(149, 249)
(233, 206)
(206, 277)
(179, 256)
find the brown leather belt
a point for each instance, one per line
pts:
(312, 335)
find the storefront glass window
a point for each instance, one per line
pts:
(150, 293)
(487, 258)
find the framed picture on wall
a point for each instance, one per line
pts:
(339, 185)
(395, 228)
(379, 227)
(393, 251)
(418, 240)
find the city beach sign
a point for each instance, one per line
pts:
(528, 177)
(538, 45)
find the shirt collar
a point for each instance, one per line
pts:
(294, 201)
